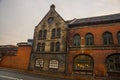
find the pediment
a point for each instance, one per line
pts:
(51, 18)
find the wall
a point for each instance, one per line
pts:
(18, 61)
(47, 54)
(46, 62)
(98, 52)
(99, 57)
(97, 31)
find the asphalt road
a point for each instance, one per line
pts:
(12, 75)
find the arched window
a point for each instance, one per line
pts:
(76, 40)
(43, 47)
(53, 64)
(113, 63)
(39, 63)
(57, 46)
(52, 47)
(38, 47)
(58, 33)
(107, 38)
(53, 33)
(40, 34)
(83, 64)
(45, 34)
(118, 37)
(89, 39)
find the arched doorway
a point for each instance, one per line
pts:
(113, 64)
(83, 64)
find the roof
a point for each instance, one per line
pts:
(8, 47)
(95, 20)
(24, 44)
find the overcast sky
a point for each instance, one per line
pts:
(19, 17)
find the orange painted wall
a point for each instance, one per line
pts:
(20, 60)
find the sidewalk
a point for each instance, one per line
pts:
(50, 74)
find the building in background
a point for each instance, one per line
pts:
(29, 42)
(89, 46)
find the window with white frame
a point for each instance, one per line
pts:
(39, 63)
(53, 64)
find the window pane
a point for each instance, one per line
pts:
(89, 39)
(113, 63)
(53, 33)
(118, 36)
(76, 41)
(50, 20)
(83, 62)
(43, 46)
(40, 34)
(38, 47)
(107, 38)
(57, 46)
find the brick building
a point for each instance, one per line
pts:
(94, 46)
(89, 46)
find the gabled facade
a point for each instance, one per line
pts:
(89, 46)
(49, 43)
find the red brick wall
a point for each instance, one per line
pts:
(98, 55)
(20, 60)
(97, 31)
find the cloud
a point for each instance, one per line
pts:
(20, 16)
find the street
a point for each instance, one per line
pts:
(13, 75)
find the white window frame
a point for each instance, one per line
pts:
(39, 63)
(53, 64)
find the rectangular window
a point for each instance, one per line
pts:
(39, 63)
(53, 64)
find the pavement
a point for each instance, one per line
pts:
(50, 74)
(13, 75)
